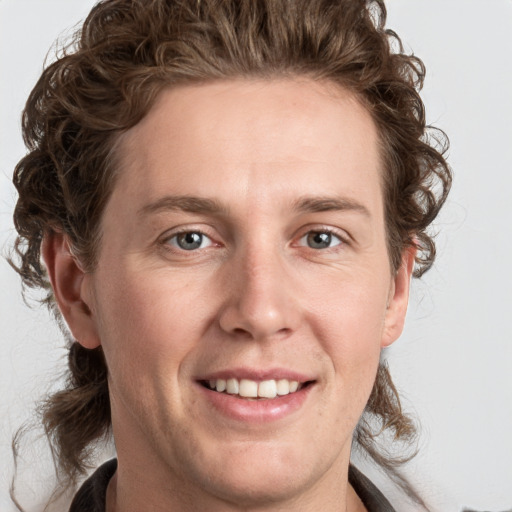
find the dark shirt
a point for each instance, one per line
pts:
(91, 496)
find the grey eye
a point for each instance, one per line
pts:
(190, 240)
(320, 240)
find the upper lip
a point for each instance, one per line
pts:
(257, 374)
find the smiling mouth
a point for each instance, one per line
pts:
(255, 390)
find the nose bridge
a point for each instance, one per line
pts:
(261, 270)
(261, 303)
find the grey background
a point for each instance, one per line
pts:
(454, 362)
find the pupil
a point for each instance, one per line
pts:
(319, 240)
(189, 241)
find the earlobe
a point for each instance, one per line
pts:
(399, 298)
(70, 286)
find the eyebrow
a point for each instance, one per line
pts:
(194, 204)
(185, 203)
(326, 204)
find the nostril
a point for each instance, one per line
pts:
(238, 331)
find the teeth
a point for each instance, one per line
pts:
(283, 387)
(219, 385)
(248, 388)
(232, 386)
(267, 389)
(252, 389)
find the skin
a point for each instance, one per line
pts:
(255, 295)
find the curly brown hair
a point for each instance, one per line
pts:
(106, 80)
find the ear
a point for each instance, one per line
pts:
(71, 288)
(398, 298)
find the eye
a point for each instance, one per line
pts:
(190, 240)
(320, 240)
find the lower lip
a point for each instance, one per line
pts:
(259, 410)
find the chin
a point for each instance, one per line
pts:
(258, 476)
(252, 488)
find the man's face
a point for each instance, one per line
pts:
(244, 246)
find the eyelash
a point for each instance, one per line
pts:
(329, 231)
(166, 242)
(174, 236)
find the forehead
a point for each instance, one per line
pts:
(250, 139)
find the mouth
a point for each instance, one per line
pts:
(255, 390)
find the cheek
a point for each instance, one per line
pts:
(351, 309)
(148, 332)
(348, 319)
(148, 322)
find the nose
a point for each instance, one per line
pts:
(262, 302)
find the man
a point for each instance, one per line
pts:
(229, 198)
